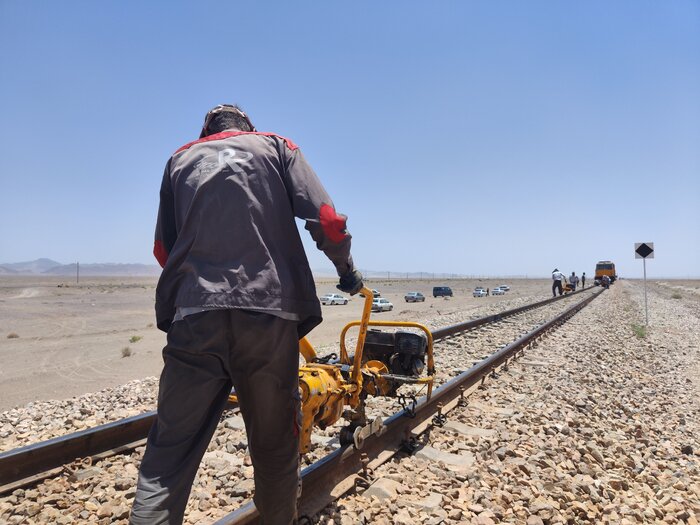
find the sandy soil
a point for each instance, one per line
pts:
(70, 338)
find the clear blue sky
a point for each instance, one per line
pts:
(481, 138)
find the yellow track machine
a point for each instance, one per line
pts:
(382, 362)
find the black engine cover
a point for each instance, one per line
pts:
(402, 352)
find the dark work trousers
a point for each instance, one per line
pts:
(583, 282)
(556, 285)
(205, 355)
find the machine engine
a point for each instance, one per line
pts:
(403, 353)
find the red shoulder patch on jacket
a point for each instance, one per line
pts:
(333, 225)
(227, 134)
(161, 253)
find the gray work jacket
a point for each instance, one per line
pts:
(226, 235)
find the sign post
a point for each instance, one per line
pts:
(644, 251)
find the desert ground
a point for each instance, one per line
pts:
(599, 423)
(60, 339)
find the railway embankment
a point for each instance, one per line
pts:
(600, 423)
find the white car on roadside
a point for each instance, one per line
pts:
(498, 291)
(479, 292)
(414, 297)
(504, 287)
(379, 304)
(333, 298)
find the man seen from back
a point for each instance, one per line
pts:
(235, 296)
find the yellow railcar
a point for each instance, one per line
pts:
(605, 268)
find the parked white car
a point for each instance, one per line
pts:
(504, 287)
(414, 297)
(479, 292)
(379, 304)
(375, 293)
(333, 298)
(498, 291)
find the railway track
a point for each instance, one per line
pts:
(338, 472)
(32, 463)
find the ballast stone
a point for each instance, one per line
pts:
(384, 489)
(466, 430)
(235, 423)
(431, 502)
(458, 461)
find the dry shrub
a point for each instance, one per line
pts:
(126, 351)
(12, 335)
(639, 330)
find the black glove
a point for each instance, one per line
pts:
(350, 283)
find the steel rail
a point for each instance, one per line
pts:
(320, 479)
(458, 328)
(26, 464)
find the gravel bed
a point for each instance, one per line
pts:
(44, 420)
(600, 423)
(102, 493)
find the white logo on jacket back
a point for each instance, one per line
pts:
(233, 158)
(226, 157)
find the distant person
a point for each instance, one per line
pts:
(583, 280)
(606, 281)
(557, 279)
(487, 291)
(573, 281)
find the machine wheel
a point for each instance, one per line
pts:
(346, 436)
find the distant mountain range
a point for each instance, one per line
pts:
(50, 267)
(29, 267)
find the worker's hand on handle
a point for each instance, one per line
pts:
(350, 283)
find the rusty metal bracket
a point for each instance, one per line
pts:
(439, 419)
(409, 404)
(364, 480)
(462, 399)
